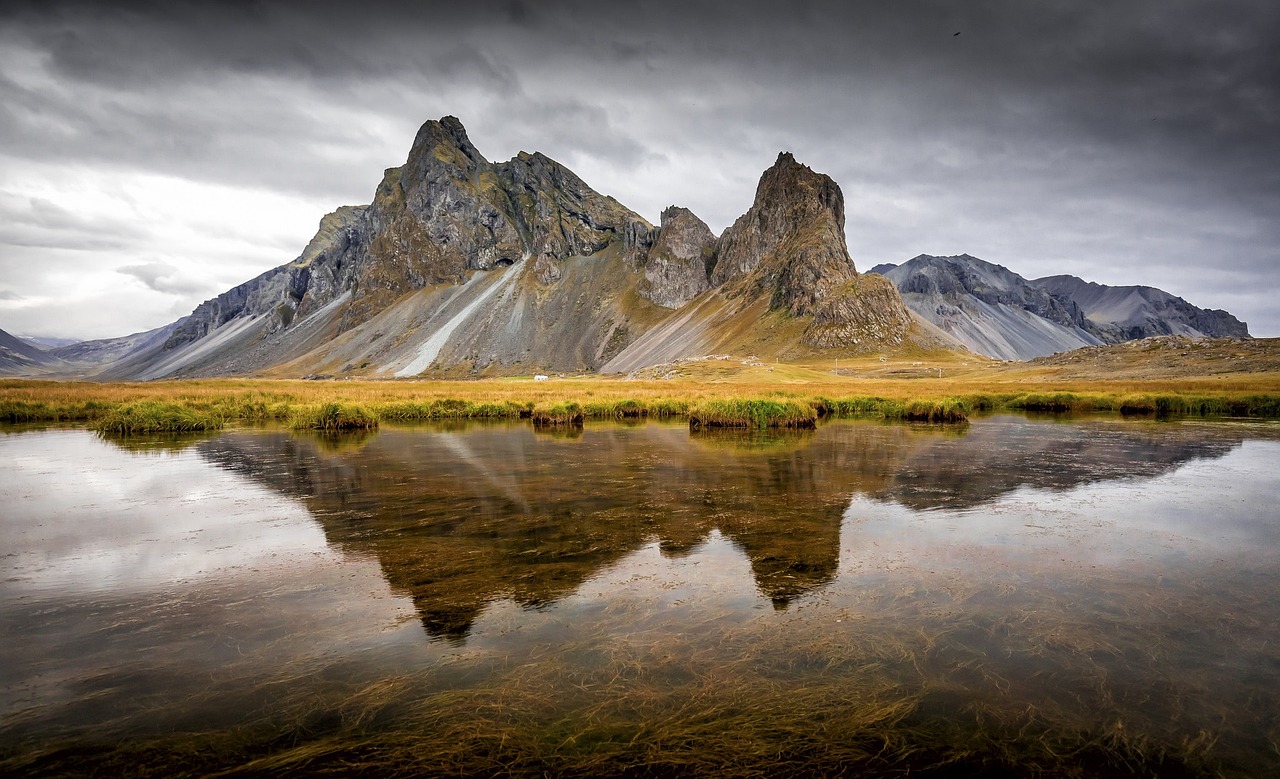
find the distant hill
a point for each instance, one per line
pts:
(996, 312)
(48, 343)
(1128, 313)
(18, 357)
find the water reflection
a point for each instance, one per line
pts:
(461, 517)
(1025, 598)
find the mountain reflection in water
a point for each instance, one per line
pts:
(1018, 597)
(458, 518)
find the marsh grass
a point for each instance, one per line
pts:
(450, 408)
(333, 416)
(948, 410)
(792, 401)
(558, 415)
(154, 416)
(752, 414)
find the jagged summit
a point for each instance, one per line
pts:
(796, 211)
(790, 245)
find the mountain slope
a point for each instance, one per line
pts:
(19, 358)
(989, 308)
(1129, 313)
(996, 312)
(440, 231)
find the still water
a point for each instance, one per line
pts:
(1093, 598)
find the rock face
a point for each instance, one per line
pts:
(1118, 314)
(996, 312)
(790, 245)
(677, 268)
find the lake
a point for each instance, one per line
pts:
(1095, 597)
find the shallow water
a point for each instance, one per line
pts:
(1020, 596)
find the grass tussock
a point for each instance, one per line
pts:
(558, 415)
(151, 416)
(450, 408)
(753, 414)
(940, 410)
(334, 416)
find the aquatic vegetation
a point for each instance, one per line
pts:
(931, 410)
(333, 416)
(559, 414)
(153, 416)
(16, 410)
(752, 413)
(828, 395)
(944, 410)
(450, 408)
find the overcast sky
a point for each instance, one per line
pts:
(155, 155)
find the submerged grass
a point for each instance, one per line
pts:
(887, 684)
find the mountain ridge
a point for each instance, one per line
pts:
(459, 266)
(998, 313)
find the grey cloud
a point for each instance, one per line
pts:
(6, 294)
(41, 223)
(1051, 136)
(163, 277)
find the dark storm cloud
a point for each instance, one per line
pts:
(1134, 141)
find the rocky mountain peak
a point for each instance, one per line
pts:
(790, 245)
(791, 241)
(444, 140)
(677, 268)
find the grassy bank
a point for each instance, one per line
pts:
(797, 399)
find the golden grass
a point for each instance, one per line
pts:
(949, 388)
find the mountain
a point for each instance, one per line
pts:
(782, 285)
(20, 358)
(46, 344)
(460, 266)
(1129, 313)
(996, 312)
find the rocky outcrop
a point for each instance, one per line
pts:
(866, 310)
(677, 266)
(1116, 314)
(312, 280)
(790, 245)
